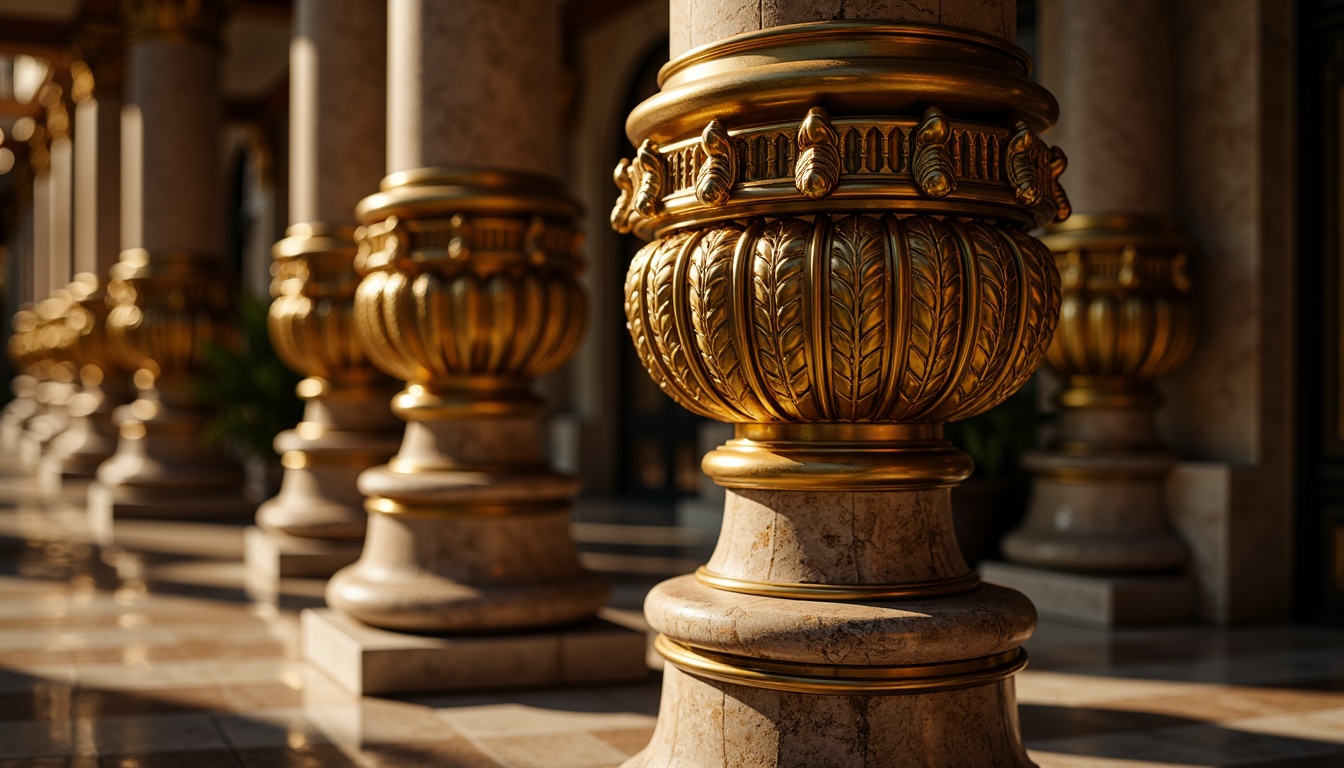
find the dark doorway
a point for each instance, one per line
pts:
(1320, 353)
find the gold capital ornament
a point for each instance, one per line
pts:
(839, 264)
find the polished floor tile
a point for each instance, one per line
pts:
(115, 659)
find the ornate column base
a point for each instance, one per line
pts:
(41, 430)
(15, 417)
(709, 723)
(836, 623)
(315, 525)
(162, 469)
(90, 439)
(468, 534)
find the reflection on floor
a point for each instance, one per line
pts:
(114, 659)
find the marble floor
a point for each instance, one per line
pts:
(156, 657)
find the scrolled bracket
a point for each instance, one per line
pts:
(818, 169)
(714, 182)
(932, 166)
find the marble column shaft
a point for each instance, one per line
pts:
(338, 146)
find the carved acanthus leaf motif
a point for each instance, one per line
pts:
(932, 163)
(1058, 162)
(714, 183)
(624, 210)
(1022, 165)
(859, 309)
(818, 168)
(650, 173)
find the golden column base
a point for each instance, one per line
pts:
(165, 305)
(1126, 320)
(347, 426)
(28, 360)
(91, 437)
(839, 264)
(470, 293)
(53, 336)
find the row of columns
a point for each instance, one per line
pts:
(835, 270)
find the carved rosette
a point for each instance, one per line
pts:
(470, 287)
(165, 305)
(312, 319)
(1126, 317)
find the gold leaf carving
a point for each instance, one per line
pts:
(1041, 305)
(713, 307)
(777, 294)
(650, 172)
(858, 304)
(1060, 199)
(932, 164)
(818, 168)
(714, 183)
(934, 312)
(1022, 164)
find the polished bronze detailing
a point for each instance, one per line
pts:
(346, 426)
(1126, 320)
(818, 167)
(470, 292)
(933, 167)
(867, 277)
(198, 20)
(838, 679)
(714, 182)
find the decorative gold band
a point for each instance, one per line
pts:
(908, 591)
(840, 679)
(385, 506)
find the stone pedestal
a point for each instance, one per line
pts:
(24, 406)
(53, 397)
(1098, 601)
(839, 264)
(369, 662)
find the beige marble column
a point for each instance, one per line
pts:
(91, 437)
(170, 290)
(55, 393)
(1126, 320)
(839, 263)
(470, 253)
(338, 82)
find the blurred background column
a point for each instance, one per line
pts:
(338, 128)
(1096, 518)
(171, 290)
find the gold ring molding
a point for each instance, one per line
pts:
(385, 506)
(843, 592)
(837, 679)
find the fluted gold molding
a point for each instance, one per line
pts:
(165, 305)
(469, 293)
(840, 263)
(347, 426)
(1126, 321)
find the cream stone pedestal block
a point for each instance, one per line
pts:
(1099, 601)
(1097, 514)
(369, 661)
(42, 429)
(90, 439)
(275, 556)
(16, 414)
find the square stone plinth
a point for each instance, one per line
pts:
(1098, 601)
(369, 661)
(276, 555)
(106, 509)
